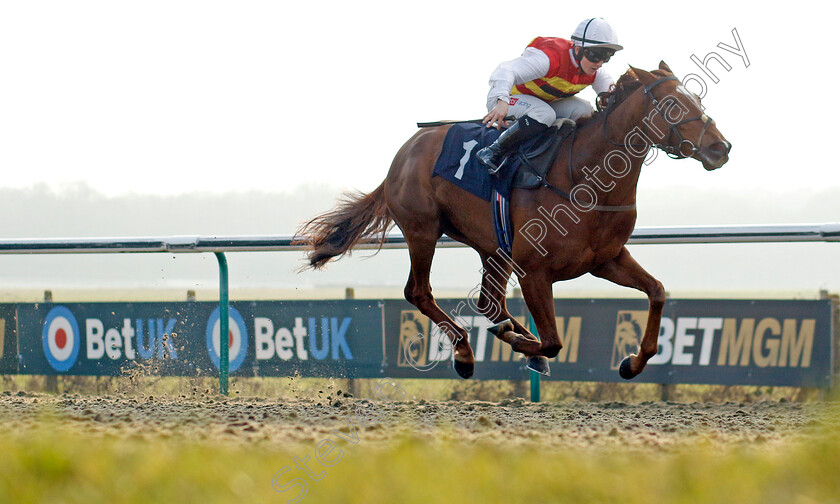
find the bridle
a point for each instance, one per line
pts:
(673, 151)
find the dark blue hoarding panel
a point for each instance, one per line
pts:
(316, 338)
(8, 339)
(116, 338)
(771, 343)
(729, 342)
(313, 338)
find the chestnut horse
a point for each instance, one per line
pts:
(577, 222)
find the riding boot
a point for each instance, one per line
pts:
(520, 131)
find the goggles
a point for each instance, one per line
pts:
(598, 54)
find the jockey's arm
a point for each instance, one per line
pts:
(533, 64)
(603, 82)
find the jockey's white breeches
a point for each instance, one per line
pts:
(544, 112)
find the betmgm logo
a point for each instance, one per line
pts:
(629, 329)
(722, 341)
(423, 345)
(414, 341)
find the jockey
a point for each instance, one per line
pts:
(540, 86)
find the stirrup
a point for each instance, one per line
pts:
(492, 168)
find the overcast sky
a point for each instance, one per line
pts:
(170, 97)
(167, 98)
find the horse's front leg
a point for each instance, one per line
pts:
(624, 270)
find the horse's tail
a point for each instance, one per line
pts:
(355, 217)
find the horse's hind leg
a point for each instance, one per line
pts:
(418, 291)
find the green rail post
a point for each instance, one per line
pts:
(535, 377)
(224, 321)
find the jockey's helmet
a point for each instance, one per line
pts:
(596, 32)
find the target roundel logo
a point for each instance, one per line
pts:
(61, 338)
(237, 338)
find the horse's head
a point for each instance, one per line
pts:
(677, 122)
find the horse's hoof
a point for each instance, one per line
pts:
(624, 369)
(539, 363)
(464, 369)
(501, 327)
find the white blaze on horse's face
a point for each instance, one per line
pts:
(693, 98)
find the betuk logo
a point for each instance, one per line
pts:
(237, 339)
(61, 339)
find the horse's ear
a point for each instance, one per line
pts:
(628, 77)
(664, 66)
(644, 76)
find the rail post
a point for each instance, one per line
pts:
(224, 321)
(535, 377)
(354, 387)
(51, 380)
(520, 386)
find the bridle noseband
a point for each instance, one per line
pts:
(673, 151)
(670, 150)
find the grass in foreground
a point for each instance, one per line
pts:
(50, 464)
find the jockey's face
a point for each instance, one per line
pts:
(588, 66)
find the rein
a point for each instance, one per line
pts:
(675, 152)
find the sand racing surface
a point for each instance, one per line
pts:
(658, 426)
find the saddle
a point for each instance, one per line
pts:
(531, 163)
(524, 168)
(534, 162)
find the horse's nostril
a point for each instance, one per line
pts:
(721, 148)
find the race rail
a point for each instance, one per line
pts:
(218, 245)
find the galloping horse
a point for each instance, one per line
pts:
(578, 222)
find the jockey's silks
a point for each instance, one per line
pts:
(564, 77)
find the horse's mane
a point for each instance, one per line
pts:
(627, 84)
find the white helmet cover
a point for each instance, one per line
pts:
(596, 32)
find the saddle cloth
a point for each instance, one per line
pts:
(524, 168)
